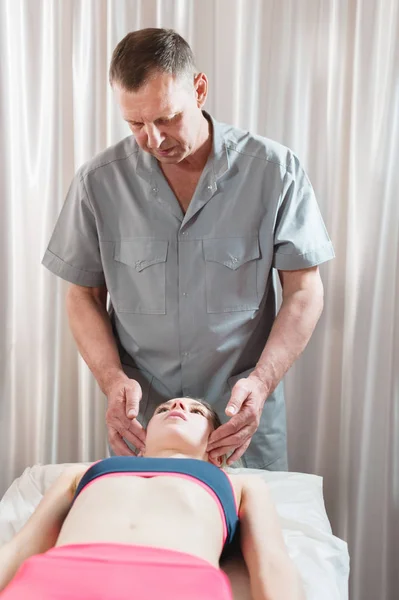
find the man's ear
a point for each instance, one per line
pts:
(201, 88)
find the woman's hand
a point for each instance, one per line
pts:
(124, 397)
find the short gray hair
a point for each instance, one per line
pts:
(145, 52)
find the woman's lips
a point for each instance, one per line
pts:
(177, 413)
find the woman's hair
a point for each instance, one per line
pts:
(147, 51)
(215, 420)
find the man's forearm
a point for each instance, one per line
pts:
(91, 328)
(289, 336)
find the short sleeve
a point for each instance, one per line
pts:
(73, 252)
(300, 237)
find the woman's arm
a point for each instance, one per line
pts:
(42, 529)
(273, 575)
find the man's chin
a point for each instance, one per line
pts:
(169, 160)
(175, 156)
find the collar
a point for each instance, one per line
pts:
(219, 156)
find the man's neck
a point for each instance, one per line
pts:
(196, 161)
(204, 144)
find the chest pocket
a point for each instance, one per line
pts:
(231, 274)
(139, 276)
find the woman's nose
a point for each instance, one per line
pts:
(179, 405)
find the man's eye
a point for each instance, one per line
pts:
(163, 409)
(167, 120)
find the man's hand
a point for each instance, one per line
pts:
(124, 397)
(246, 404)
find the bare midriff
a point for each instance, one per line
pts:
(162, 511)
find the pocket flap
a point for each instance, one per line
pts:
(232, 252)
(141, 253)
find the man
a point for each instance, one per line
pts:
(182, 224)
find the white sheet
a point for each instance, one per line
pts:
(322, 558)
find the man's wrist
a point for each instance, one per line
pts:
(262, 378)
(109, 377)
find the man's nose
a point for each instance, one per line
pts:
(154, 137)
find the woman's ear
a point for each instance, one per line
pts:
(218, 462)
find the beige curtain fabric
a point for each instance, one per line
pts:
(321, 76)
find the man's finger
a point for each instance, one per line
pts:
(118, 445)
(133, 396)
(238, 396)
(232, 442)
(218, 452)
(238, 452)
(236, 439)
(135, 434)
(233, 426)
(130, 429)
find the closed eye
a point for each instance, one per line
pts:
(166, 120)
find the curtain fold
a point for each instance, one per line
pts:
(320, 76)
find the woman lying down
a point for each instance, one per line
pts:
(150, 527)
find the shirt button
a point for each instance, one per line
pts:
(184, 233)
(155, 190)
(235, 259)
(210, 187)
(185, 354)
(185, 294)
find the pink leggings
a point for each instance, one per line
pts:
(116, 572)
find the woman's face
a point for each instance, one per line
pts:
(181, 424)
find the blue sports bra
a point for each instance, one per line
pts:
(210, 477)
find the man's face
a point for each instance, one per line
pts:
(164, 115)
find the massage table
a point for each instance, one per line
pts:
(321, 558)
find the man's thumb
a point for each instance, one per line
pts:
(238, 395)
(133, 397)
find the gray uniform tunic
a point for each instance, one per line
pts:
(192, 296)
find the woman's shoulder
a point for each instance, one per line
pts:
(243, 478)
(245, 481)
(74, 473)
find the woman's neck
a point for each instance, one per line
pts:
(172, 453)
